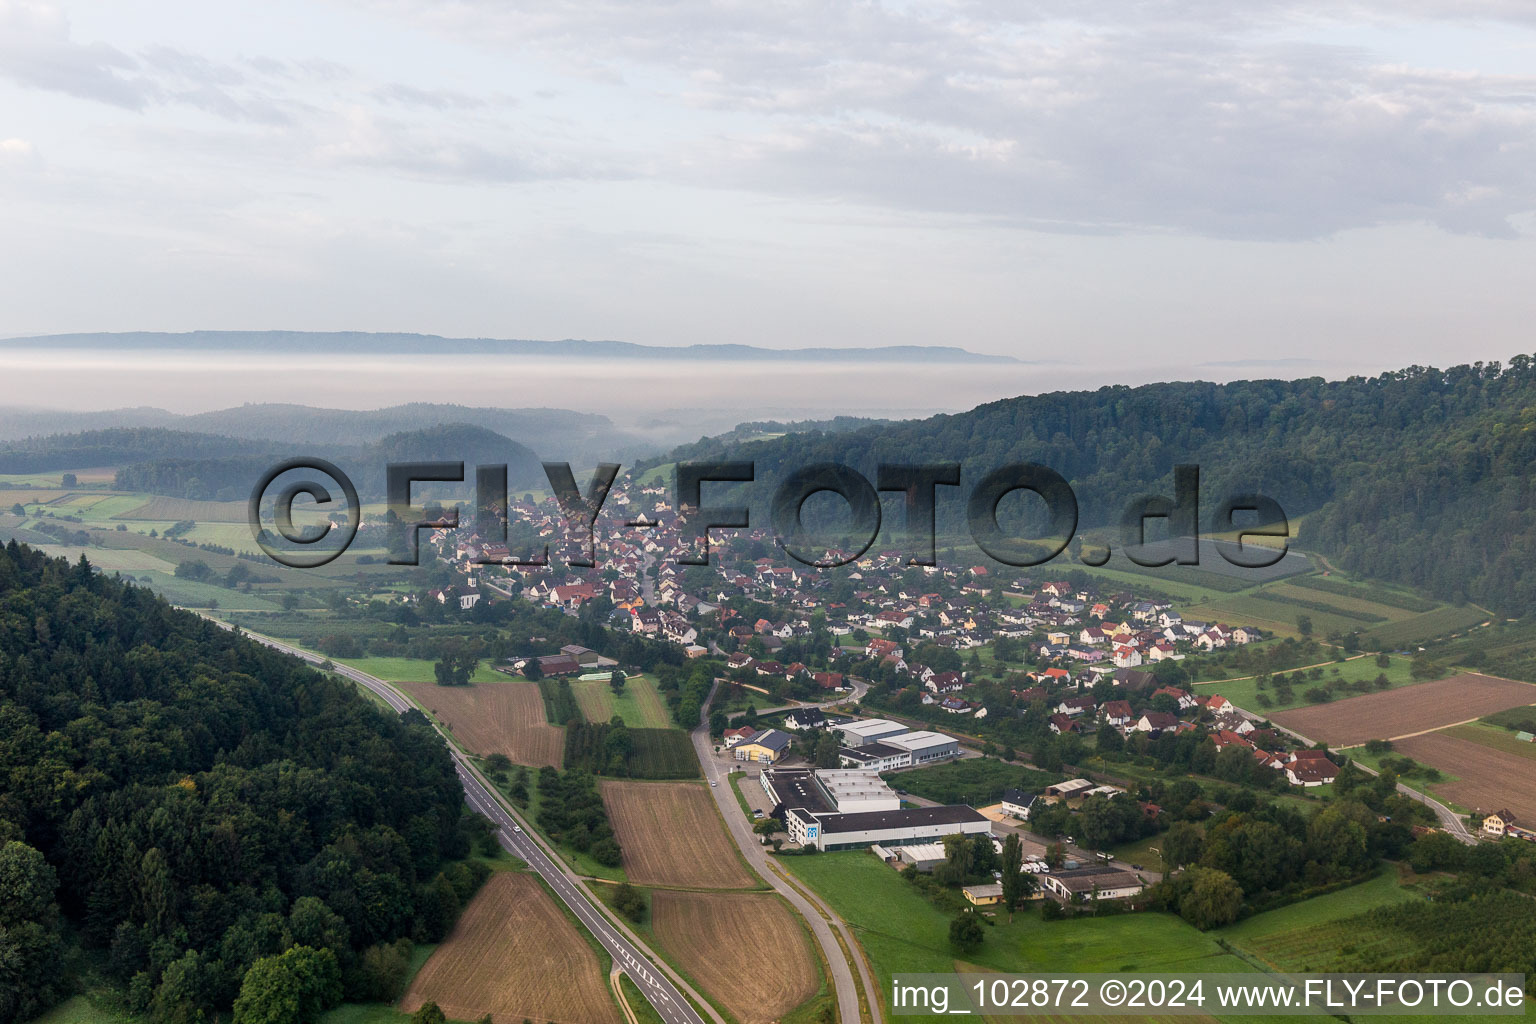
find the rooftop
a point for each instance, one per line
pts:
(913, 817)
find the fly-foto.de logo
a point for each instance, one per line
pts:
(271, 513)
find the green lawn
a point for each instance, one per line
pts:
(903, 933)
(1263, 932)
(977, 781)
(190, 594)
(640, 706)
(416, 670)
(1245, 693)
(91, 1008)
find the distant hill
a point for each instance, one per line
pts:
(363, 343)
(1421, 475)
(115, 447)
(553, 433)
(209, 466)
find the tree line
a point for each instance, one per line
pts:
(210, 803)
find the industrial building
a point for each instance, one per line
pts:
(834, 809)
(924, 746)
(875, 757)
(867, 730)
(882, 745)
(829, 832)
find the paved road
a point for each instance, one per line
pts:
(640, 965)
(823, 920)
(1449, 819)
(856, 693)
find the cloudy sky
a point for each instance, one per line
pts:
(1238, 188)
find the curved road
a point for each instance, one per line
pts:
(626, 951)
(822, 919)
(1449, 819)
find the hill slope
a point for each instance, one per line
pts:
(1419, 475)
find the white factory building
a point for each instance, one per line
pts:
(868, 730)
(839, 809)
(880, 745)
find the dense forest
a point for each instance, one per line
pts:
(209, 805)
(1419, 475)
(114, 447)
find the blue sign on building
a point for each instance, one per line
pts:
(812, 831)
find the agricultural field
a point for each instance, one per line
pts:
(494, 718)
(1309, 934)
(125, 560)
(510, 942)
(1487, 778)
(1411, 709)
(193, 594)
(672, 836)
(174, 510)
(1492, 736)
(1277, 615)
(662, 754)
(640, 706)
(759, 980)
(1245, 692)
(1443, 621)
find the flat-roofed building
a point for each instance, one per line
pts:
(867, 730)
(924, 746)
(829, 832)
(1093, 884)
(855, 789)
(877, 756)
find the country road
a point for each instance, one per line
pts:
(628, 953)
(1449, 819)
(823, 921)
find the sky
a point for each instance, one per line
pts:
(1129, 190)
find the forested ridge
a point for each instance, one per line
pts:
(1420, 475)
(178, 803)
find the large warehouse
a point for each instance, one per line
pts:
(852, 809)
(924, 746)
(868, 730)
(828, 832)
(880, 745)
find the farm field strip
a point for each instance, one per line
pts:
(495, 718)
(509, 945)
(178, 509)
(759, 980)
(1409, 709)
(1486, 779)
(1494, 737)
(672, 836)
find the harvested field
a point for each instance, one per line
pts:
(510, 942)
(1406, 710)
(672, 836)
(495, 718)
(757, 981)
(1486, 778)
(176, 509)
